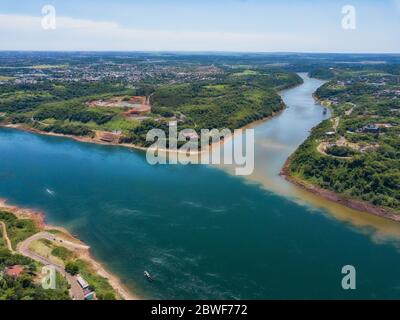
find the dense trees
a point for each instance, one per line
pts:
(230, 100)
(73, 112)
(25, 97)
(25, 287)
(72, 268)
(66, 128)
(373, 174)
(230, 103)
(138, 135)
(322, 73)
(339, 151)
(363, 177)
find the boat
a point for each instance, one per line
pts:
(325, 111)
(148, 276)
(50, 192)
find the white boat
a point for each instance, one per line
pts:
(148, 276)
(50, 192)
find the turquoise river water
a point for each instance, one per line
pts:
(201, 231)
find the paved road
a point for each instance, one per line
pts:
(76, 291)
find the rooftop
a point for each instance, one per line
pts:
(14, 271)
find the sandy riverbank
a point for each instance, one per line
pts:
(84, 254)
(101, 142)
(76, 138)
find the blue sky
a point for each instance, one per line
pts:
(202, 25)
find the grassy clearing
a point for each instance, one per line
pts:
(118, 122)
(44, 248)
(61, 256)
(245, 73)
(5, 78)
(49, 66)
(63, 253)
(17, 229)
(217, 88)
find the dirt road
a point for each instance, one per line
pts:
(6, 238)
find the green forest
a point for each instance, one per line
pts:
(232, 100)
(26, 286)
(368, 166)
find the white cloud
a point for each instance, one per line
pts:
(25, 33)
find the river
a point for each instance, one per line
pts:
(200, 231)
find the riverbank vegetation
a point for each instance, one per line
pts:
(230, 103)
(75, 265)
(20, 275)
(363, 137)
(17, 229)
(26, 286)
(195, 95)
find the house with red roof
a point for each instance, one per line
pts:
(14, 271)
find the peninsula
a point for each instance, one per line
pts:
(353, 158)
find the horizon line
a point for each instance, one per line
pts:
(202, 51)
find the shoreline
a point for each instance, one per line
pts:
(352, 203)
(210, 147)
(69, 136)
(124, 145)
(83, 139)
(39, 219)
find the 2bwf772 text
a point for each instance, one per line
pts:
(201, 309)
